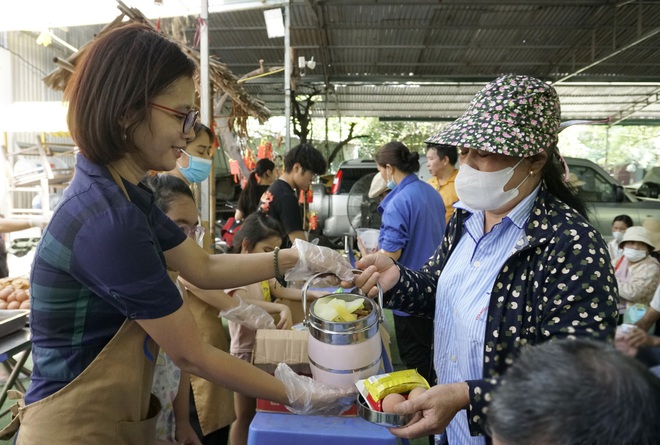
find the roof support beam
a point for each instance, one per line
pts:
(609, 56)
(635, 107)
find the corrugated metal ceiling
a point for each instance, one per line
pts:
(436, 54)
(424, 59)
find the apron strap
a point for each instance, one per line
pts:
(118, 180)
(10, 430)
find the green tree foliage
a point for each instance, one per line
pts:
(613, 147)
(412, 134)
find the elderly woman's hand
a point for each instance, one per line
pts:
(433, 410)
(638, 338)
(376, 268)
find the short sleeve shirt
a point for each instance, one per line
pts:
(281, 203)
(413, 221)
(99, 262)
(447, 191)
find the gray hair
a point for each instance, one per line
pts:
(576, 392)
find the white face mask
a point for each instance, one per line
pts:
(618, 236)
(633, 255)
(485, 190)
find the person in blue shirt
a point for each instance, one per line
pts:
(412, 225)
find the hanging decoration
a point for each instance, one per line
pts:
(198, 32)
(234, 169)
(214, 129)
(265, 150)
(250, 162)
(313, 221)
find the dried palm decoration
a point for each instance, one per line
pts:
(222, 80)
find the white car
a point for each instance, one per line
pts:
(605, 198)
(332, 208)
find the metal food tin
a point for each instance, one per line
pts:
(391, 420)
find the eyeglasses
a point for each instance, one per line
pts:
(196, 233)
(189, 118)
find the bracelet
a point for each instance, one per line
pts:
(280, 278)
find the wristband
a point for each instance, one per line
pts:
(279, 277)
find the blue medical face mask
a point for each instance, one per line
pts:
(198, 168)
(390, 182)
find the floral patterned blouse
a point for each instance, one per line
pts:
(558, 284)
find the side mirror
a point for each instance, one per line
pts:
(618, 193)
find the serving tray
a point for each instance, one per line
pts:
(12, 320)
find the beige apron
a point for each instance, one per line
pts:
(215, 405)
(109, 403)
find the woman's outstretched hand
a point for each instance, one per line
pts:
(310, 397)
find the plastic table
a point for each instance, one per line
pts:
(291, 429)
(15, 344)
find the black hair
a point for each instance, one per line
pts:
(398, 155)
(248, 201)
(257, 227)
(627, 220)
(199, 127)
(166, 189)
(307, 156)
(553, 174)
(116, 78)
(586, 393)
(450, 151)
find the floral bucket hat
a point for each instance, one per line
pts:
(513, 115)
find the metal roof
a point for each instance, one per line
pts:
(425, 59)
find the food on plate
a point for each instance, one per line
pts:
(416, 392)
(394, 382)
(391, 400)
(381, 392)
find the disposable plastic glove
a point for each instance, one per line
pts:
(311, 398)
(313, 259)
(249, 315)
(38, 221)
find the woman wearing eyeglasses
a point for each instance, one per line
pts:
(102, 301)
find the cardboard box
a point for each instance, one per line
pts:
(272, 347)
(275, 346)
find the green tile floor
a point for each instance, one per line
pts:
(395, 359)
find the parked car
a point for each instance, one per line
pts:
(605, 198)
(331, 206)
(648, 187)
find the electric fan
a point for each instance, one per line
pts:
(362, 211)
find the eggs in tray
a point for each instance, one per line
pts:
(339, 310)
(14, 293)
